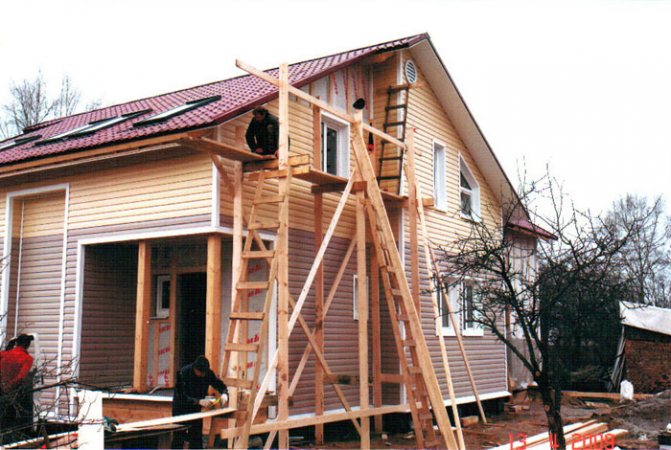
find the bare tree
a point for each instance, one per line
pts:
(536, 283)
(31, 104)
(646, 258)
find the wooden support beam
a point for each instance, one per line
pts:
(362, 308)
(283, 262)
(213, 301)
(376, 341)
(142, 312)
(174, 311)
(412, 200)
(269, 164)
(319, 313)
(418, 208)
(342, 378)
(317, 136)
(322, 105)
(222, 149)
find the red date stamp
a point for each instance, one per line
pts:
(577, 441)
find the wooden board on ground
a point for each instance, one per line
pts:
(133, 426)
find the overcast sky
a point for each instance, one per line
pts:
(583, 86)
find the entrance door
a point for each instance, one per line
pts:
(192, 292)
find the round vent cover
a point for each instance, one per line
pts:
(410, 71)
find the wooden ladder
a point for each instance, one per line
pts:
(418, 374)
(237, 336)
(398, 126)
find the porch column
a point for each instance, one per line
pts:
(213, 302)
(142, 309)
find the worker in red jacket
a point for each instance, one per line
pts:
(16, 405)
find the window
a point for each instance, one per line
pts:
(469, 192)
(19, 141)
(469, 310)
(181, 109)
(439, 179)
(443, 311)
(92, 127)
(335, 146)
(163, 296)
(355, 285)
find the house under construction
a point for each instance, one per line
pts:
(141, 235)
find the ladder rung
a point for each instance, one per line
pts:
(394, 124)
(410, 343)
(399, 87)
(397, 293)
(391, 158)
(239, 383)
(414, 370)
(389, 177)
(425, 416)
(253, 285)
(237, 347)
(258, 254)
(263, 225)
(402, 105)
(244, 315)
(403, 317)
(269, 199)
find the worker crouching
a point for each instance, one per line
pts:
(193, 381)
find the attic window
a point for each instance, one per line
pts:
(469, 192)
(181, 109)
(94, 126)
(410, 71)
(19, 141)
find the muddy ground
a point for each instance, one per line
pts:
(644, 419)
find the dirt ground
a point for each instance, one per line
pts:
(644, 419)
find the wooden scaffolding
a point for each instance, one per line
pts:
(373, 231)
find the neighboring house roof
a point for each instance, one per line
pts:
(238, 95)
(525, 225)
(650, 318)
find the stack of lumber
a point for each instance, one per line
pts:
(581, 435)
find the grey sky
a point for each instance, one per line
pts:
(584, 86)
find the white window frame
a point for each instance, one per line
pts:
(342, 156)
(161, 312)
(439, 175)
(453, 295)
(476, 329)
(355, 306)
(474, 192)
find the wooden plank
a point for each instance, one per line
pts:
(269, 164)
(376, 343)
(283, 265)
(213, 301)
(142, 312)
(322, 105)
(222, 149)
(362, 308)
(132, 426)
(310, 421)
(424, 357)
(418, 207)
(603, 395)
(317, 137)
(412, 200)
(319, 303)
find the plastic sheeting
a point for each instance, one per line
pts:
(650, 318)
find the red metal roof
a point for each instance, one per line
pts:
(238, 95)
(529, 227)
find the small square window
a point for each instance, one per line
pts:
(163, 296)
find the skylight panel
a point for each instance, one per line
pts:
(19, 141)
(181, 109)
(94, 126)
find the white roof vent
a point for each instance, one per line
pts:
(410, 71)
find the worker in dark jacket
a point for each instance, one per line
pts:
(263, 132)
(193, 381)
(16, 399)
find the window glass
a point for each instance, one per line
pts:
(439, 183)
